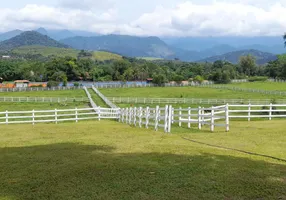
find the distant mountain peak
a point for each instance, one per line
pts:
(42, 30)
(233, 57)
(30, 38)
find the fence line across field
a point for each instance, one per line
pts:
(105, 99)
(42, 99)
(281, 93)
(28, 89)
(45, 116)
(92, 103)
(142, 100)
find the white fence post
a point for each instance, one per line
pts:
(199, 118)
(156, 117)
(56, 116)
(76, 115)
(147, 115)
(212, 119)
(189, 117)
(135, 116)
(227, 117)
(270, 112)
(166, 119)
(249, 111)
(180, 117)
(7, 117)
(127, 115)
(99, 114)
(33, 116)
(170, 118)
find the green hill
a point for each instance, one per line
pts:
(62, 52)
(30, 38)
(233, 57)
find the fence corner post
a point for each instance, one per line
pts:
(270, 111)
(33, 116)
(98, 113)
(189, 117)
(199, 118)
(56, 116)
(7, 117)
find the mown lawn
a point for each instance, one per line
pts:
(29, 106)
(183, 92)
(58, 93)
(261, 85)
(109, 160)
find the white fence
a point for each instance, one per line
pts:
(38, 89)
(42, 99)
(239, 81)
(150, 85)
(106, 100)
(251, 111)
(140, 100)
(164, 117)
(89, 98)
(45, 116)
(281, 93)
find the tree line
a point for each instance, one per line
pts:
(63, 69)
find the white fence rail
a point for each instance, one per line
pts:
(140, 100)
(150, 85)
(164, 117)
(38, 89)
(106, 100)
(42, 99)
(251, 111)
(89, 98)
(281, 93)
(45, 116)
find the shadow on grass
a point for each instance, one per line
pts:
(74, 171)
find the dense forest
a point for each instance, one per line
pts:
(64, 69)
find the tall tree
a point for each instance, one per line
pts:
(284, 37)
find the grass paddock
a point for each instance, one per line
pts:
(109, 160)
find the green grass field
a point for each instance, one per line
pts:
(261, 85)
(62, 52)
(59, 93)
(28, 106)
(109, 160)
(183, 92)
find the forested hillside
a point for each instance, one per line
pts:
(30, 38)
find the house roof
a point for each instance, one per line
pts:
(21, 81)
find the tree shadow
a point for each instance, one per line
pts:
(75, 171)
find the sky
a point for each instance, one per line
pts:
(149, 17)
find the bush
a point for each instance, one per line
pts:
(199, 79)
(36, 86)
(53, 84)
(76, 84)
(258, 78)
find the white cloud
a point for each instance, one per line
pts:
(189, 18)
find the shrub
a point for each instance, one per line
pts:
(257, 78)
(76, 84)
(199, 79)
(53, 84)
(36, 86)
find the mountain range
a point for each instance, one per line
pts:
(205, 49)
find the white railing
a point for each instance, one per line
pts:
(150, 85)
(89, 98)
(42, 99)
(45, 116)
(28, 89)
(142, 100)
(239, 81)
(277, 80)
(251, 111)
(281, 93)
(106, 100)
(164, 117)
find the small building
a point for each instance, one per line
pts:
(21, 83)
(149, 80)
